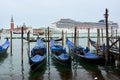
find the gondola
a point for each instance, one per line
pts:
(100, 48)
(34, 40)
(39, 33)
(30, 40)
(88, 56)
(17, 33)
(59, 54)
(4, 46)
(38, 55)
(85, 54)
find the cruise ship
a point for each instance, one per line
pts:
(69, 25)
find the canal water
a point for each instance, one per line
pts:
(11, 67)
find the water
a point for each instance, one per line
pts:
(12, 69)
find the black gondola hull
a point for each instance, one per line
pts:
(34, 66)
(62, 62)
(100, 60)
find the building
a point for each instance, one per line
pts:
(70, 24)
(12, 23)
(38, 31)
(17, 29)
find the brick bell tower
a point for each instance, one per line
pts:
(12, 23)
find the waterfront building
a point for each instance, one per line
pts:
(17, 29)
(38, 31)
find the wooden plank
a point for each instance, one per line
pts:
(113, 43)
(114, 52)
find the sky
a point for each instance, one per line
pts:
(41, 13)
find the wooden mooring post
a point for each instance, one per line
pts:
(0, 35)
(62, 38)
(11, 42)
(116, 35)
(75, 36)
(22, 66)
(107, 42)
(22, 46)
(88, 38)
(77, 40)
(72, 36)
(112, 32)
(28, 37)
(102, 36)
(48, 47)
(66, 34)
(98, 39)
(119, 48)
(48, 42)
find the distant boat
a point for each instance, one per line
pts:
(85, 54)
(38, 55)
(4, 46)
(17, 33)
(59, 54)
(39, 33)
(31, 40)
(34, 40)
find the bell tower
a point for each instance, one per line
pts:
(12, 23)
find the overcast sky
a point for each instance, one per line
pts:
(41, 13)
